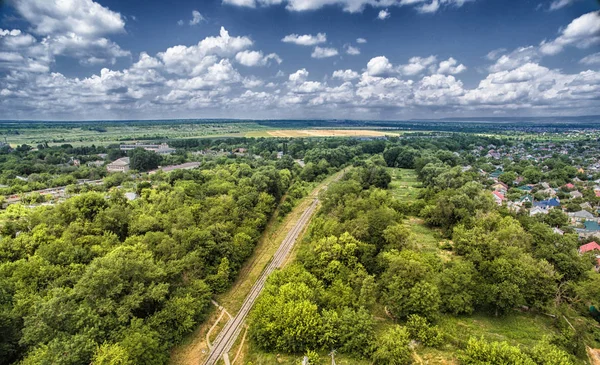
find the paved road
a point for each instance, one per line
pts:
(224, 342)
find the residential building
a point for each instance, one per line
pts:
(120, 165)
(161, 149)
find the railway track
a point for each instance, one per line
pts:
(228, 335)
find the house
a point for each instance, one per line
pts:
(569, 186)
(582, 215)
(590, 229)
(538, 210)
(576, 194)
(591, 246)
(500, 186)
(558, 231)
(279, 154)
(498, 197)
(526, 199)
(545, 185)
(548, 192)
(586, 206)
(495, 174)
(131, 196)
(547, 204)
(120, 165)
(525, 188)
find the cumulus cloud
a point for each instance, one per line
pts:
(416, 65)
(593, 59)
(450, 66)
(582, 32)
(361, 40)
(256, 58)
(75, 28)
(298, 76)
(196, 18)
(379, 66)
(306, 39)
(345, 75)
(81, 17)
(192, 60)
(353, 51)
(383, 14)
(324, 52)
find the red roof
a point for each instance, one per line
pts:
(569, 186)
(597, 193)
(589, 247)
(499, 195)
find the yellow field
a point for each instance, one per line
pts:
(328, 133)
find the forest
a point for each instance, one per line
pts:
(99, 278)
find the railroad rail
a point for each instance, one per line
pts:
(228, 335)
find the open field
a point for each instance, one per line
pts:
(404, 186)
(329, 133)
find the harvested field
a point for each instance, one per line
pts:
(328, 133)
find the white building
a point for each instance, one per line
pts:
(120, 165)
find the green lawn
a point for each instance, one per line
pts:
(404, 185)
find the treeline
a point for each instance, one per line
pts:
(100, 279)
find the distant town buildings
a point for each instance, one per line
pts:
(161, 149)
(120, 165)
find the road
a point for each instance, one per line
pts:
(225, 340)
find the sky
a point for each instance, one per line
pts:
(298, 59)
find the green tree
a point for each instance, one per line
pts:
(392, 347)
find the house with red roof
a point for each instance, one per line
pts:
(569, 186)
(589, 247)
(498, 197)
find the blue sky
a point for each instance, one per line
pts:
(357, 59)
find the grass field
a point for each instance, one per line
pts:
(404, 186)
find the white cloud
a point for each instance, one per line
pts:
(81, 17)
(74, 28)
(353, 51)
(255, 58)
(450, 67)
(298, 76)
(351, 6)
(593, 59)
(583, 32)
(516, 58)
(194, 59)
(345, 75)
(383, 14)
(196, 18)
(559, 4)
(432, 7)
(416, 65)
(306, 39)
(324, 52)
(379, 66)
(361, 40)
